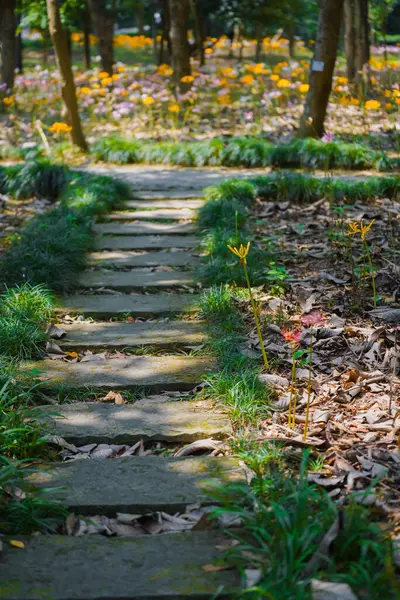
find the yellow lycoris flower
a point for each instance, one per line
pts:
(303, 88)
(372, 105)
(241, 252)
(187, 79)
(283, 83)
(360, 228)
(58, 127)
(148, 100)
(173, 108)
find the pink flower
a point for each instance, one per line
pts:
(292, 335)
(313, 318)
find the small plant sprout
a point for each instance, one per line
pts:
(242, 253)
(359, 227)
(292, 336)
(314, 318)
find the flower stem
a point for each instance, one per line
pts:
(371, 269)
(292, 401)
(309, 385)
(253, 306)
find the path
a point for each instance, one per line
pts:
(142, 268)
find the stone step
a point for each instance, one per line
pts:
(167, 195)
(153, 242)
(149, 372)
(154, 214)
(165, 203)
(158, 567)
(144, 228)
(136, 305)
(84, 423)
(134, 484)
(175, 334)
(134, 280)
(123, 259)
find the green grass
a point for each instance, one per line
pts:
(52, 248)
(27, 303)
(22, 510)
(243, 152)
(284, 519)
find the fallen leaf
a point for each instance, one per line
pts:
(214, 568)
(17, 544)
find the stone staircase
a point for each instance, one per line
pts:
(156, 230)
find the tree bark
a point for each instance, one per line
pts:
(103, 22)
(179, 12)
(8, 43)
(321, 70)
(292, 39)
(356, 38)
(140, 18)
(19, 44)
(86, 39)
(59, 38)
(199, 30)
(259, 39)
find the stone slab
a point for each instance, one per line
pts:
(135, 484)
(144, 228)
(136, 305)
(150, 242)
(134, 280)
(99, 423)
(159, 567)
(121, 259)
(174, 334)
(169, 195)
(154, 214)
(150, 372)
(159, 202)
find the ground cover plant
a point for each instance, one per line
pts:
(342, 385)
(52, 248)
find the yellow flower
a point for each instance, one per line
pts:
(187, 79)
(283, 83)
(208, 51)
(360, 228)
(148, 100)
(225, 99)
(174, 108)
(59, 127)
(8, 100)
(274, 77)
(372, 105)
(341, 80)
(103, 74)
(353, 228)
(247, 79)
(303, 88)
(241, 252)
(85, 90)
(106, 81)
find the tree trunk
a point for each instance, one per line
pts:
(292, 40)
(259, 32)
(45, 47)
(140, 18)
(103, 22)
(59, 38)
(86, 39)
(356, 38)
(321, 70)
(199, 30)
(166, 26)
(19, 44)
(179, 12)
(8, 44)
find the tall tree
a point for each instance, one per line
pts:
(103, 18)
(8, 43)
(86, 38)
(198, 29)
(179, 12)
(321, 69)
(356, 38)
(60, 41)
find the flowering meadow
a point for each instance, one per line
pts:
(225, 97)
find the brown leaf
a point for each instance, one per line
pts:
(214, 568)
(113, 397)
(71, 524)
